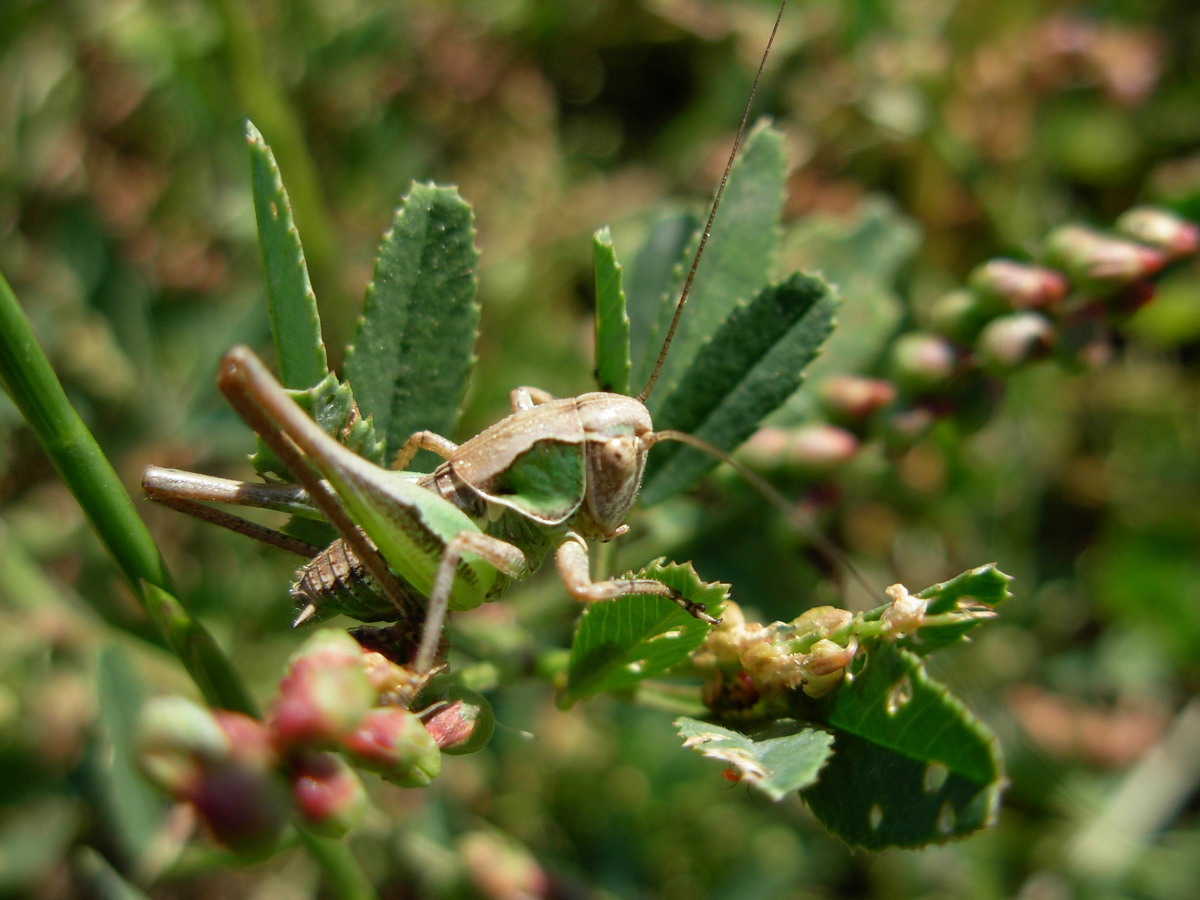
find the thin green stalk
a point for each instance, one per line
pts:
(341, 870)
(35, 389)
(209, 667)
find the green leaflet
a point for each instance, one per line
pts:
(621, 642)
(96, 875)
(985, 585)
(784, 757)
(738, 258)
(734, 360)
(751, 365)
(295, 324)
(911, 765)
(612, 323)
(414, 347)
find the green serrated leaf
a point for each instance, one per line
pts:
(621, 642)
(649, 281)
(783, 758)
(982, 586)
(612, 323)
(911, 765)
(738, 258)
(295, 323)
(754, 362)
(414, 348)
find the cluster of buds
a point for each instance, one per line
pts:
(1011, 313)
(905, 614)
(1008, 315)
(339, 708)
(750, 667)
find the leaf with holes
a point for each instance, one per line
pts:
(784, 757)
(911, 765)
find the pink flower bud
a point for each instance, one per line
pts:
(1012, 341)
(1017, 286)
(221, 762)
(853, 399)
(808, 449)
(1175, 236)
(463, 724)
(328, 794)
(905, 427)
(325, 693)
(394, 743)
(922, 363)
(1098, 264)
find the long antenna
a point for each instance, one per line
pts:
(767, 491)
(712, 213)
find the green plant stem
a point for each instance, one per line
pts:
(865, 627)
(38, 394)
(342, 872)
(201, 657)
(34, 388)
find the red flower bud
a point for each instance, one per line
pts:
(325, 693)
(1175, 236)
(394, 743)
(327, 793)
(1017, 286)
(462, 725)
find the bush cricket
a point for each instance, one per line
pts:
(551, 476)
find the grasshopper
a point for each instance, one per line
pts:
(553, 475)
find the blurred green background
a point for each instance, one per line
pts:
(126, 230)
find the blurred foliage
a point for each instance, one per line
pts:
(126, 228)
